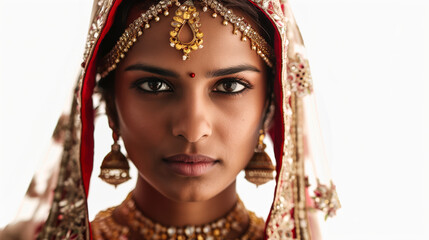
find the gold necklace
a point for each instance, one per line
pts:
(105, 227)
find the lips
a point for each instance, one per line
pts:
(190, 165)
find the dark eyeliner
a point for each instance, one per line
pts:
(247, 85)
(137, 84)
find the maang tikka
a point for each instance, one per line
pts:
(260, 169)
(115, 168)
(186, 14)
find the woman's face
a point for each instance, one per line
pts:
(189, 137)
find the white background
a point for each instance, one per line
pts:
(370, 65)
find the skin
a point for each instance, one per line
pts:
(189, 116)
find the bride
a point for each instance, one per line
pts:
(191, 88)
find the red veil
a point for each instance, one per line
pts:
(293, 134)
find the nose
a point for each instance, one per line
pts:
(192, 118)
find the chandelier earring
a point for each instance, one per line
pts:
(260, 169)
(115, 168)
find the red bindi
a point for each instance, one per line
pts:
(192, 75)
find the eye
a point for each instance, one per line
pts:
(231, 86)
(153, 85)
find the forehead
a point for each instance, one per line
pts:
(221, 48)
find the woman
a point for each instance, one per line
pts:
(190, 87)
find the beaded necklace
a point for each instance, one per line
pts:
(141, 227)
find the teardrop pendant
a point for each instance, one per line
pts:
(186, 14)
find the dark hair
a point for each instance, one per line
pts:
(106, 84)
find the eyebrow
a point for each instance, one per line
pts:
(214, 73)
(232, 70)
(152, 69)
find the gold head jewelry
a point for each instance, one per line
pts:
(185, 14)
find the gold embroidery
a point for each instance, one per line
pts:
(300, 76)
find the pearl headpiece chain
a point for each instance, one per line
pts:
(185, 14)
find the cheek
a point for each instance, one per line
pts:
(239, 125)
(142, 124)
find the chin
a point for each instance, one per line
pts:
(191, 192)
